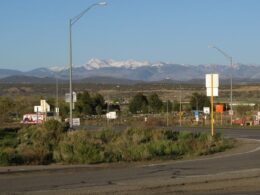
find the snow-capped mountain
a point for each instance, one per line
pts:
(140, 70)
(131, 64)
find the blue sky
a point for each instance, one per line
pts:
(34, 33)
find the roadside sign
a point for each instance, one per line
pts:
(57, 109)
(215, 91)
(206, 110)
(219, 108)
(231, 112)
(215, 79)
(210, 84)
(196, 113)
(76, 121)
(111, 115)
(74, 97)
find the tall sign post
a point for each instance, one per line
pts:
(212, 84)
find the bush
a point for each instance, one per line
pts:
(37, 143)
(79, 147)
(9, 156)
(50, 142)
(134, 144)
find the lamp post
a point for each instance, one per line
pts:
(197, 108)
(167, 108)
(180, 106)
(197, 103)
(72, 21)
(231, 79)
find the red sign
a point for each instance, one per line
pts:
(219, 108)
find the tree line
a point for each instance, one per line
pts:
(94, 104)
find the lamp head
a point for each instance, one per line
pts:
(103, 3)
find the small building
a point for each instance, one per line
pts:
(40, 115)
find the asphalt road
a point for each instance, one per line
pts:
(234, 172)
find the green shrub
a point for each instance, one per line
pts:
(113, 153)
(171, 135)
(9, 156)
(138, 135)
(108, 135)
(79, 147)
(8, 138)
(37, 143)
(51, 142)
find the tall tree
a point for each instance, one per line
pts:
(90, 104)
(98, 103)
(199, 100)
(84, 104)
(155, 103)
(139, 104)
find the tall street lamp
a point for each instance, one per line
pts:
(197, 103)
(72, 21)
(231, 79)
(180, 106)
(197, 109)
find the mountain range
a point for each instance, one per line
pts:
(131, 71)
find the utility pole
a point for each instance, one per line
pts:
(57, 98)
(180, 106)
(167, 113)
(108, 111)
(231, 80)
(72, 21)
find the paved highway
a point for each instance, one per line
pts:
(236, 171)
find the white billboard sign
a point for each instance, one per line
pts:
(76, 121)
(210, 78)
(111, 115)
(74, 97)
(215, 91)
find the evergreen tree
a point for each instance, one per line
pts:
(155, 103)
(139, 104)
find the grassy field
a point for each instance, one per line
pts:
(246, 92)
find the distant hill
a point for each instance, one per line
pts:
(9, 72)
(48, 80)
(131, 71)
(107, 80)
(115, 81)
(27, 79)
